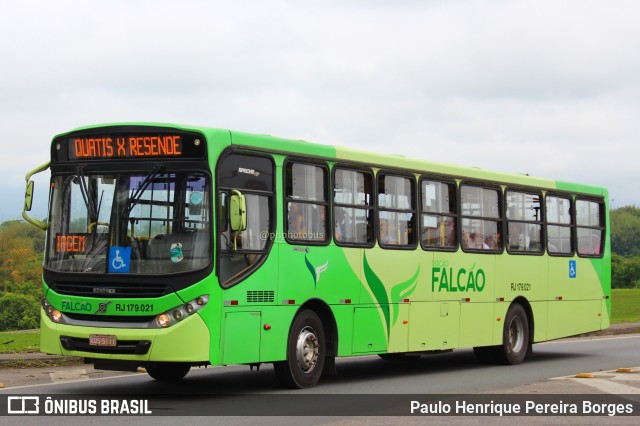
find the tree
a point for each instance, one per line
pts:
(19, 312)
(625, 231)
(21, 254)
(625, 271)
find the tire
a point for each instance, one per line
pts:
(168, 371)
(515, 337)
(306, 351)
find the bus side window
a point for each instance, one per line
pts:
(481, 218)
(352, 207)
(307, 204)
(559, 225)
(589, 227)
(439, 215)
(524, 216)
(396, 211)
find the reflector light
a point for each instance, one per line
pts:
(163, 320)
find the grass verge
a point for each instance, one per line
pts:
(624, 305)
(41, 363)
(19, 341)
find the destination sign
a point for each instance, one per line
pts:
(71, 243)
(127, 147)
(164, 144)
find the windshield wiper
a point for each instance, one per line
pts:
(86, 195)
(135, 197)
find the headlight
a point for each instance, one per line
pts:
(53, 314)
(56, 316)
(175, 315)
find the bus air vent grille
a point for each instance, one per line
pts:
(111, 290)
(260, 296)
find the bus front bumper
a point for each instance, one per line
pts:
(186, 341)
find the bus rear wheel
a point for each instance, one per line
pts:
(515, 337)
(168, 371)
(306, 350)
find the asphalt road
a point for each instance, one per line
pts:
(236, 391)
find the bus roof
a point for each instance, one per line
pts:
(399, 162)
(377, 160)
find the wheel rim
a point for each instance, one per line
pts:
(516, 334)
(307, 349)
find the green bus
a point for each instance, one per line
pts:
(172, 246)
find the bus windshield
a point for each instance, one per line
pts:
(152, 222)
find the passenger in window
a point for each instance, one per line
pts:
(466, 240)
(477, 242)
(337, 231)
(472, 240)
(319, 223)
(406, 234)
(517, 240)
(490, 242)
(452, 233)
(385, 235)
(297, 230)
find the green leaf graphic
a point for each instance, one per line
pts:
(311, 269)
(402, 291)
(378, 290)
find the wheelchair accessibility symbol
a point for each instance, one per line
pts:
(572, 269)
(119, 259)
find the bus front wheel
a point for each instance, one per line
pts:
(306, 350)
(168, 371)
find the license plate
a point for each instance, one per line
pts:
(103, 340)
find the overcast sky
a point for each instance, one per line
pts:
(549, 88)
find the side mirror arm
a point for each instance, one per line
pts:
(28, 197)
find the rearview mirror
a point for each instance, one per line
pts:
(237, 211)
(28, 196)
